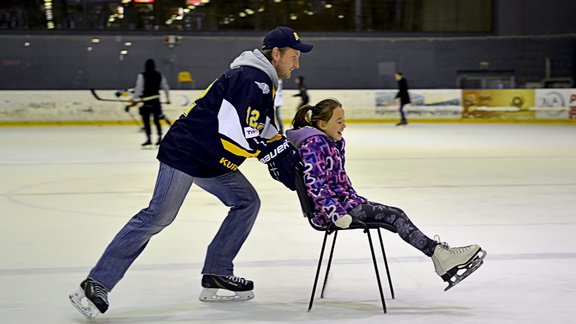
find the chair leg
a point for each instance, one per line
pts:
(376, 270)
(329, 264)
(386, 264)
(318, 271)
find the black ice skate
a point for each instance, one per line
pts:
(90, 299)
(455, 264)
(226, 288)
(147, 144)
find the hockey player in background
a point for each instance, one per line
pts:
(278, 102)
(147, 91)
(233, 119)
(317, 133)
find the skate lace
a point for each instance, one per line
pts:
(447, 247)
(100, 292)
(237, 279)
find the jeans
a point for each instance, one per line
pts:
(233, 189)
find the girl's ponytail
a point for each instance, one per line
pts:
(302, 118)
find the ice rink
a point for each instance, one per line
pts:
(511, 188)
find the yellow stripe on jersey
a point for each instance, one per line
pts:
(236, 150)
(275, 138)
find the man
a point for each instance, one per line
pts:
(402, 96)
(147, 89)
(233, 119)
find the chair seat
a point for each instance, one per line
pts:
(354, 225)
(307, 205)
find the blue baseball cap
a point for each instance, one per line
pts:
(285, 37)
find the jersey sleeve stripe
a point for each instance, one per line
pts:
(236, 150)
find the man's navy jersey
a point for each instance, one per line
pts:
(230, 121)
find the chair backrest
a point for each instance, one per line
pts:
(184, 76)
(306, 202)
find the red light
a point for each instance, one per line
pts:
(143, 1)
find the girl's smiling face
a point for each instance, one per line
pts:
(335, 126)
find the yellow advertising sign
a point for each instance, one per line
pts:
(498, 104)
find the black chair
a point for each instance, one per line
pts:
(308, 210)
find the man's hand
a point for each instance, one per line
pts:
(282, 160)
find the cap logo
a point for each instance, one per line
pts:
(296, 36)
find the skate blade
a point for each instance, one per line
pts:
(83, 304)
(215, 295)
(469, 268)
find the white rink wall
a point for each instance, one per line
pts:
(510, 105)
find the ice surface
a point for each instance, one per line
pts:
(511, 188)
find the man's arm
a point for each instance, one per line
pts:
(138, 88)
(164, 86)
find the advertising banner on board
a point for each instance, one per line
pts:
(555, 104)
(503, 104)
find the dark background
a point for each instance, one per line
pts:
(49, 44)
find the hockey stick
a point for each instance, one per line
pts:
(131, 116)
(97, 97)
(163, 117)
(102, 99)
(131, 103)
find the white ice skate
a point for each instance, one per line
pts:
(226, 289)
(91, 299)
(455, 264)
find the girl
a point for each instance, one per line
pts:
(317, 133)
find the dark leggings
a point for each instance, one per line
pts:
(402, 114)
(375, 212)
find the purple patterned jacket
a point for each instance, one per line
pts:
(324, 175)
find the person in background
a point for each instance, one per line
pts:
(147, 91)
(302, 91)
(231, 120)
(317, 133)
(278, 101)
(402, 97)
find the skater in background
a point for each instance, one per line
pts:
(402, 97)
(302, 91)
(278, 101)
(147, 91)
(233, 119)
(317, 133)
